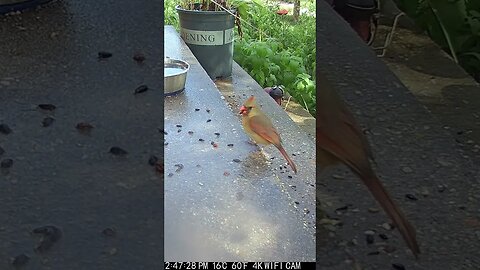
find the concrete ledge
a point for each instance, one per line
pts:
(300, 139)
(440, 84)
(232, 203)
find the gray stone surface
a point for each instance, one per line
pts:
(68, 179)
(218, 209)
(447, 91)
(403, 134)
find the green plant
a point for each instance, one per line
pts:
(299, 36)
(278, 50)
(453, 24)
(270, 63)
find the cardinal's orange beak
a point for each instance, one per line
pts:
(243, 110)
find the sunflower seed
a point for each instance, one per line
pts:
(179, 167)
(411, 197)
(84, 127)
(118, 151)
(47, 107)
(383, 236)
(139, 57)
(142, 88)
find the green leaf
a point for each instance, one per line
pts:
(472, 54)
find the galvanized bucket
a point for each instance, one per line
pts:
(210, 36)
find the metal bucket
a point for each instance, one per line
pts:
(210, 37)
(174, 76)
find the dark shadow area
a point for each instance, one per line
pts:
(107, 205)
(460, 114)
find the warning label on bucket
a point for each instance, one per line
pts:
(229, 33)
(207, 38)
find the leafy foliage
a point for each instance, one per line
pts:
(298, 37)
(270, 63)
(275, 50)
(170, 14)
(453, 24)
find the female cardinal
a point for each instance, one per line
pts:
(340, 140)
(259, 127)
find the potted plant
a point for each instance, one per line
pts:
(207, 28)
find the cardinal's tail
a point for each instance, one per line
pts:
(289, 160)
(393, 211)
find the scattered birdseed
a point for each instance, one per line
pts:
(179, 167)
(142, 88)
(411, 197)
(47, 107)
(139, 57)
